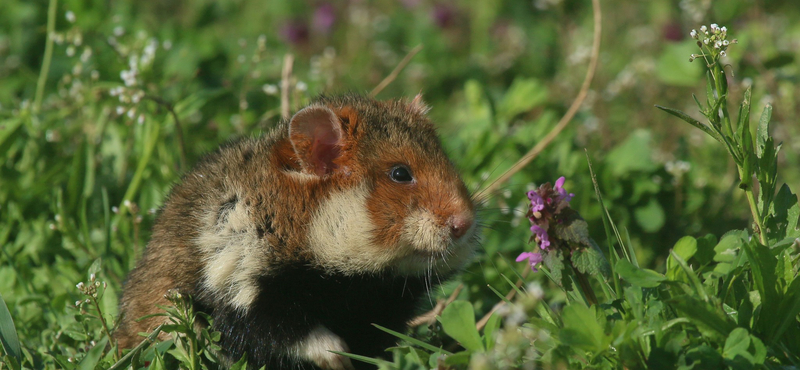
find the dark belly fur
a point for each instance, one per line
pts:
(297, 299)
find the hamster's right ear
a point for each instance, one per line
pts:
(317, 138)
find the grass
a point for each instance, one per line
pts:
(86, 160)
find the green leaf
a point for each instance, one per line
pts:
(763, 265)
(783, 223)
(787, 311)
(738, 341)
(705, 249)
(762, 133)
(459, 358)
(554, 260)
(634, 154)
(703, 314)
(458, 321)
(93, 356)
(582, 330)
(490, 329)
(650, 217)
(743, 127)
(523, 95)
(8, 128)
(644, 278)
(688, 119)
(8, 333)
(702, 357)
(590, 261)
(241, 364)
(686, 248)
(693, 279)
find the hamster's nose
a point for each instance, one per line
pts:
(459, 224)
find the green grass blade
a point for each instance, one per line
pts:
(8, 333)
(411, 340)
(93, 356)
(369, 360)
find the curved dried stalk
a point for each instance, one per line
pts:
(573, 109)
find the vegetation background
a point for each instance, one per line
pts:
(99, 120)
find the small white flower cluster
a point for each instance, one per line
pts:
(128, 96)
(714, 38)
(129, 75)
(89, 289)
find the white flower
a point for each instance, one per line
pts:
(723, 53)
(270, 89)
(704, 29)
(87, 53)
(79, 285)
(705, 41)
(714, 27)
(693, 34)
(70, 51)
(70, 16)
(120, 110)
(119, 31)
(724, 29)
(725, 42)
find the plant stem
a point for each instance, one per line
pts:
(105, 326)
(719, 73)
(751, 199)
(722, 95)
(48, 55)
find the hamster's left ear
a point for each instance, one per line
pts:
(317, 137)
(418, 105)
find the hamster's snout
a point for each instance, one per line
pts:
(459, 224)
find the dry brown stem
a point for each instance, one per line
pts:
(576, 104)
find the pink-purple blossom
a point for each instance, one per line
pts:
(546, 204)
(534, 258)
(541, 236)
(537, 202)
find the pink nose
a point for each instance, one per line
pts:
(459, 224)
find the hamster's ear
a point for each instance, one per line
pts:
(317, 138)
(418, 105)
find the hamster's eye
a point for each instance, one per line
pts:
(400, 174)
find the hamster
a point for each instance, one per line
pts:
(297, 242)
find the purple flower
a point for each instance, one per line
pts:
(324, 18)
(541, 235)
(561, 192)
(533, 259)
(537, 202)
(562, 199)
(295, 32)
(444, 15)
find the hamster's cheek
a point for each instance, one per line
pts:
(341, 235)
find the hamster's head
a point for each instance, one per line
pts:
(394, 203)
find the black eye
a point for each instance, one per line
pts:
(400, 174)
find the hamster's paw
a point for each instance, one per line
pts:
(316, 346)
